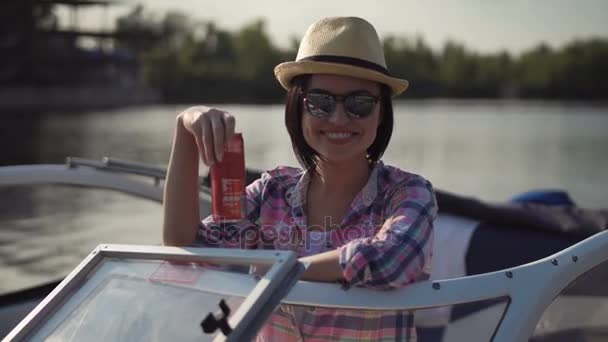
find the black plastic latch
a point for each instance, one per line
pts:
(212, 322)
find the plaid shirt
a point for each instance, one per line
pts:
(384, 240)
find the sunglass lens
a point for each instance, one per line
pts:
(320, 105)
(360, 105)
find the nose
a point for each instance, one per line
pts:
(339, 116)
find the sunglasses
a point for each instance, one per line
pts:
(322, 104)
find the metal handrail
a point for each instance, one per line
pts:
(118, 165)
(156, 172)
(111, 174)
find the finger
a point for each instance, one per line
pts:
(208, 141)
(195, 128)
(201, 150)
(218, 136)
(229, 124)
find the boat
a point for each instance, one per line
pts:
(500, 272)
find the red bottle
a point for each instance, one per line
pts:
(228, 183)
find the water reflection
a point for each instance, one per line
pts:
(47, 230)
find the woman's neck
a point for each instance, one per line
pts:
(344, 178)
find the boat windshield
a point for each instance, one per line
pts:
(140, 300)
(153, 298)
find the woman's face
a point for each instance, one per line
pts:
(340, 137)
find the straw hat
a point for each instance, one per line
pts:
(347, 46)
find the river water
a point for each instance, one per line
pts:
(491, 150)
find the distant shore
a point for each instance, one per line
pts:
(67, 99)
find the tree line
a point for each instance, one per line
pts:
(190, 60)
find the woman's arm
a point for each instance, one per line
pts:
(395, 255)
(323, 267)
(398, 253)
(180, 200)
(200, 131)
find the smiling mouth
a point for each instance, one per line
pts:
(338, 135)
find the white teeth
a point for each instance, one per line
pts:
(338, 135)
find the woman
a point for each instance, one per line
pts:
(354, 219)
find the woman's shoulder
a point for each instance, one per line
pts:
(276, 181)
(282, 171)
(282, 175)
(392, 175)
(401, 185)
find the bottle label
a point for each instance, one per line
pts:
(228, 183)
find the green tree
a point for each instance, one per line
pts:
(190, 60)
(580, 70)
(458, 70)
(535, 71)
(257, 55)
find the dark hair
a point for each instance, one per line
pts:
(306, 155)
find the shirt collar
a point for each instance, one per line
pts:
(296, 196)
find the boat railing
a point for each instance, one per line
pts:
(117, 165)
(157, 173)
(109, 173)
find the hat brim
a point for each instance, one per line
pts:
(285, 72)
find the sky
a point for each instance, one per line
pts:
(482, 25)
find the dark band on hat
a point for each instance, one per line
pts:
(349, 61)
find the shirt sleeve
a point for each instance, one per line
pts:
(244, 234)
(400, 250)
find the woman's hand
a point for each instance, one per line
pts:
(211, 128)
